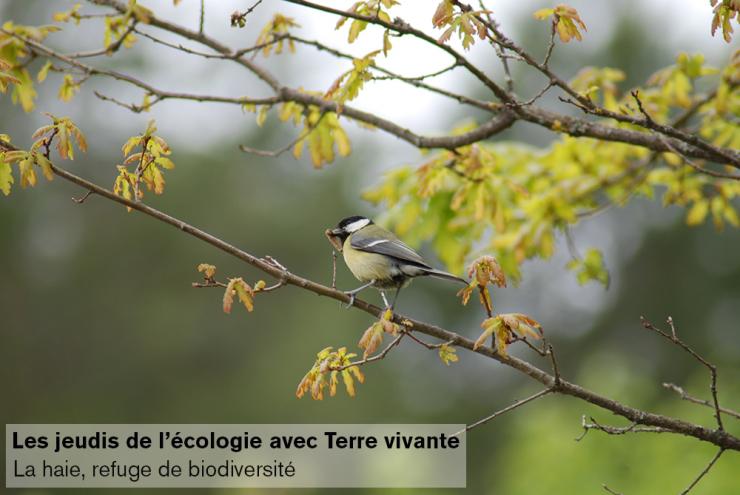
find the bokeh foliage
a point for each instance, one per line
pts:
(119, 326)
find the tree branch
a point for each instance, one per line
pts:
(673, 337)
(498, 413)
(685, 396)
(512, 111)
(403, 28)
(717, 437)
(685, 141)
(377, 357)
(703, 472)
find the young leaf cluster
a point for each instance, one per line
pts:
(373, 336)
(15, 57)
(273, 34)
(321, 130)
(118, 28)
(368, 8)
(144, 166)
(467, 24)
(234, 288)
(568, 23)
(590, 267)
(724, 12)
(325, 372)
(62, 130)
(505, 327)
(348, 86)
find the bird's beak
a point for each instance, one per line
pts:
(333, 236)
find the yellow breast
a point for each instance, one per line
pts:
(366, 266)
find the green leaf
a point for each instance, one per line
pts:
(590, 267)
(6, 176)
(41, 76)
(543, 14)
(448, 354)
(697, 213)
(68, 89)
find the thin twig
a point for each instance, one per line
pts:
(202, 16)
(617, 430)
(141, 167)
(376, 357)
(555, 368)
(426, 344)
(275, 263)
(536, 97)
(703, 472)
(685, 396)
(517, 338)
(636, 95)
(609, 490)
(211, 283)
(673, 337)
(695, 166)
(572, 249)
(498, 413)
(81, 200)
(551, 45)
(109, 50)
(333, 268)
(208, 284)
(267, 153)
(403, 28)
(509, 81)
(239, 18)
(416, 81)
(129, 106)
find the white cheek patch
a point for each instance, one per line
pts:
(356, 225)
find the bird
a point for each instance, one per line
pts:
(377, 258)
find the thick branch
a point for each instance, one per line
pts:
(493, 126)
(579, 127)
(720, 438)
(511, 112)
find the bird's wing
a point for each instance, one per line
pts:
(388, 247)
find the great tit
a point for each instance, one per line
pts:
(378, 258)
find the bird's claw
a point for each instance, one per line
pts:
(351, 302)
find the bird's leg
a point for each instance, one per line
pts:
(395, 298)
(353, 293)
(382, 294)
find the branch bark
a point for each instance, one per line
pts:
(656, 138)
(718, 437)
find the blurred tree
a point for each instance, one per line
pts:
(675, 134)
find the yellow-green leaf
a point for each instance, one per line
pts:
(6, 176)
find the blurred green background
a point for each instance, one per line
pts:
(99, 323)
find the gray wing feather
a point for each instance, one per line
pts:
(388, 247)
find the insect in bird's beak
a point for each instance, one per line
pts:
(334, 239)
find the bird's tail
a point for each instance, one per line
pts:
(446, 276)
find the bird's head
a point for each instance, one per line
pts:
(344, 228)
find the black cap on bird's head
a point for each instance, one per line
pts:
(344, 228)
(351, 224)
